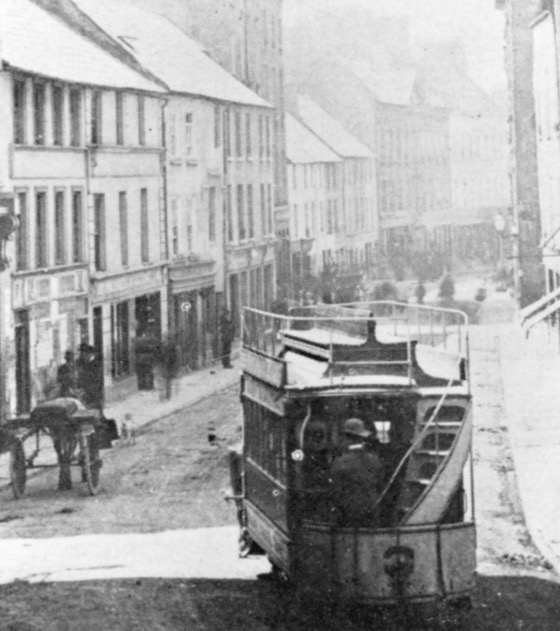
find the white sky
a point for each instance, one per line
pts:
(476, 22)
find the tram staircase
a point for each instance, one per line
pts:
(435, 462)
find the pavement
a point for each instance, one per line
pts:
(142, 407)
(205, 553)
(531, 378)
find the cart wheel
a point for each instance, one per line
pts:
(18, 474)
(91, 462)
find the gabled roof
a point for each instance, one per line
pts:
(330, 131)
(303, 146)
(391, 86)
(34, 41)
(167, 52)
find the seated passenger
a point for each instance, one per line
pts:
(356, 478)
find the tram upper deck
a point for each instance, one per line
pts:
(362, 345)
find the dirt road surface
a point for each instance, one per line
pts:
(172, 479)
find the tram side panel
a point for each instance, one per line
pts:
(265, 480)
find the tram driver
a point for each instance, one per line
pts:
(356, 478)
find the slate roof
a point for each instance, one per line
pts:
(167, 52)
(34, 41)
(330, 131)
(303, 146)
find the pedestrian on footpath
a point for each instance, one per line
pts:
(67, 376)
(227, 332)
(90, 377)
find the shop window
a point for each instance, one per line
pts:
(119, 104)
(41, 251)
(22, 235)
(269, 206)
(100, 252)
(174, 227)
(250, 213)
(241, 213)
(248, 137)
(212, 213)
(144, 227)
(238, 141)
(39, 113)
(120, 340)
(59, 228)
(188, 134)
(217, 126)
(75, 117)
(227, 133)
(123, 222)
(19, 96)
(264, 214)
(77, 227)
(96, 117)
(57, 101)
(141, 120)
(229, 210)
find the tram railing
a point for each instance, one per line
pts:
(320, 327)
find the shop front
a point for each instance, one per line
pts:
(251, 278)
(50, 317)
(194, 313)
(127, 308)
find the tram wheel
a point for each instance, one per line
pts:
(18, 472)
(91, 462)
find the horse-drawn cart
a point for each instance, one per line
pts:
(77, 436)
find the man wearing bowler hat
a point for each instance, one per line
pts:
(356, 478)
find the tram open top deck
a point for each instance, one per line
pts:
(362, 345)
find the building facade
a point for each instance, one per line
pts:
(547, 108)
(519, 15)
(81, 134)
(208, 114)
(315, 176)
(245, 38)
(353, 220)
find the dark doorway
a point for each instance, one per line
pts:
(186, 321)
(234, 299)
(98, 337)
(148, 314)
(23, 371)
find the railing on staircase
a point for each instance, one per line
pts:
(410, 499)
(540, 310)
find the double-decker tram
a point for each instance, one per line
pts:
(356, 462)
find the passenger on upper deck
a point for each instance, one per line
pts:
(356, 478)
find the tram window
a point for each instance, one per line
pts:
(446, 414)
(265, 441)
